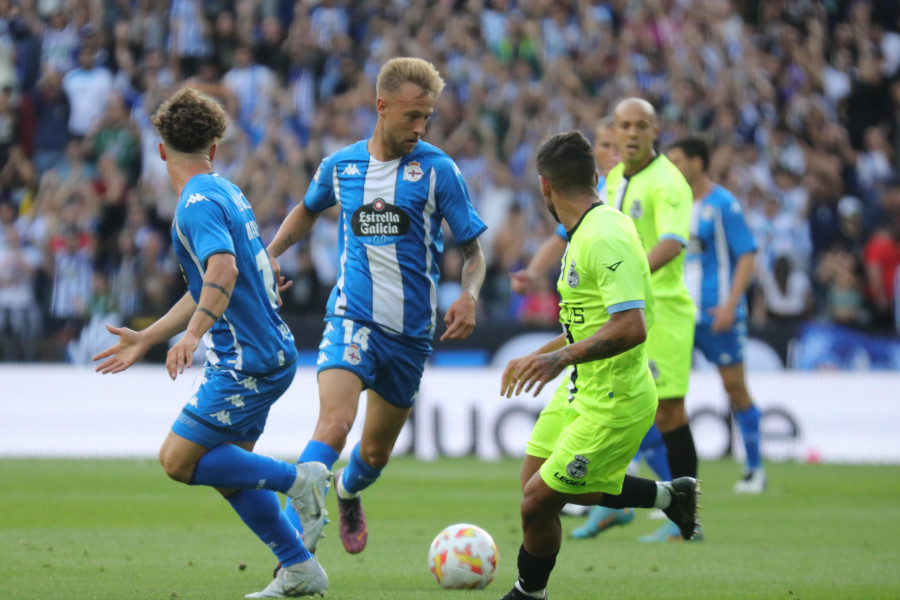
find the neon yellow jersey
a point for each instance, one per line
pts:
(659, 200)
(605, 271)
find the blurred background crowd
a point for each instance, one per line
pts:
(801, 99)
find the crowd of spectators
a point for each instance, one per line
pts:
(801, 99)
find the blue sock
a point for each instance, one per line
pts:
(261, 511)
(227, 466)
(654, 450)
(748, 423)
(315, 451)
(357, 474)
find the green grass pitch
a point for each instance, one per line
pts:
(119, 529)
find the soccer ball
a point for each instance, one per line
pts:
(463, 556)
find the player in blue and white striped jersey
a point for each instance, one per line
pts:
(232, 303)
(394, 191)
(717, 270)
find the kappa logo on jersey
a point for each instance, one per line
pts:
(236, 400)
(614, 266)
(352, 354)
(413, 172)
(350, 169)
(379, 219)
(572, 277)
(194, 198)
(223, 417)
(578, 467)
(636, 210)
(708, 212)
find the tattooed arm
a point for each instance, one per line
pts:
(296, 226)
(623, 331)
(460, 317)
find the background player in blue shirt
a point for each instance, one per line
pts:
(232, 303)
(395, 191)
(717, 270)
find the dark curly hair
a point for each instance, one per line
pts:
(190, 121)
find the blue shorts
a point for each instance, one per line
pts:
(391, 365)
(231, 406)
(725, 348)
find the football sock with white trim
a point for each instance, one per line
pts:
(358, 475)
(227, 466)
(637, 492)
(748, 423)
(261, 511)
(315, 451)
(534, 572)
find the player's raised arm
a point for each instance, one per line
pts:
(460, 317)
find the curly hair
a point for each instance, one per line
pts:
(397, 71)
(190, 121)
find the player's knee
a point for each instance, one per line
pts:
(535, 511)
(670, 415)
(174, 468)
(334, 432)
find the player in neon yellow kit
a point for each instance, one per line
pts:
(647, 187)
(605, 289)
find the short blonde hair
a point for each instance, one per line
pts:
(190, 121)
(397, 71)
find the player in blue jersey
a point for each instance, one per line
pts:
(717, 269)
(232, 303)
(395, 191)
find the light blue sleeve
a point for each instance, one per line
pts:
(561, 232)
(207, 226)
(740, 240)
(320, 193)
(454, 204)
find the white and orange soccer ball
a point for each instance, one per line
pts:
(463, 556)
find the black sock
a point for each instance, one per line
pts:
(637, 492)
(682, 452)
(534, 571)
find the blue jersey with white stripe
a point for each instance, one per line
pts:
(390, 241)
(214, 217)
(719, 236)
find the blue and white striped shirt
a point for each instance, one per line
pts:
(719, 237)
(390, 240)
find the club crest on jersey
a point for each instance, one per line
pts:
(413, 172)
(352, 354)
(572, 277)
(636, 210)
(380, 221)
(578, 467)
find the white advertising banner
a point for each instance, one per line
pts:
(55, 410)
